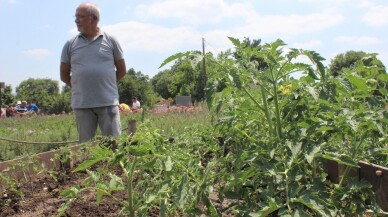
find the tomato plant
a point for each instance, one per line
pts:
(267, 154)
(280, 131)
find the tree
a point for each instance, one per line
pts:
(7, 97)
(179, 80)
(355, 61)
(252, 46)
(138, 85)
(184, 78)
(349, 59)
(41, 91)
(59, 104)
(161, 83)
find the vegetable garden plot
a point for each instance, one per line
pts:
(276, 134)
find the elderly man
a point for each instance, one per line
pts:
(91, 64)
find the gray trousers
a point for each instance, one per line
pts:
(107, 118)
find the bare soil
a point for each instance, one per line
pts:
(42, 198)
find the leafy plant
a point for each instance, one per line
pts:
(279, 132)
(154, 174)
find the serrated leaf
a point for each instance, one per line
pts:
(313, 203)
(100, 193)
(234, 41)
(342, 159)
(182, 192)
(313, 93)
(168, 164)
(196, 58)
(174, 57)
(87, 164)
(324, 129)
(211, 209)
(271, 207)
(295, 148)
(115, 183)
(140, 150)
(72, 192)
(150, 198)
(383, 77)
(311, 154)
(359, 83)
(298, 213)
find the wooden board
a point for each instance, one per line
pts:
(369, 172)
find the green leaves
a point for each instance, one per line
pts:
(98, 154)
(174, 57)
(274, 135)
(340, 159)
(235, 41)
(315, 203)
(273, 205)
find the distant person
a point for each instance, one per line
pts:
(32, 107)
(124, 108)
(3, 112)
(11, 110)
(135, 105)
(91, 64)
(21, 109)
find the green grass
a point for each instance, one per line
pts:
(33, 131)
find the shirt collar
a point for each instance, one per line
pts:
(100, 33)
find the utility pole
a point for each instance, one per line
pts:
(204, 75)
(2, 85)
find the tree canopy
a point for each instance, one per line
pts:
(183, 79)
(349, 59)
(136, 84)
(355, 61)
(41, 91)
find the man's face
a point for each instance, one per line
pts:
(83, 20)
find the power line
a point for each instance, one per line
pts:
(207, 43)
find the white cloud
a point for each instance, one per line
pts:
(361, 40)
(150, 37)
(376, 16)
(366, 3)
(10, 1)
(290, 24)
(308, 45)
(320, 1)
(194, 12)
(38, 53)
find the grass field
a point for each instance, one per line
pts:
(36, 134)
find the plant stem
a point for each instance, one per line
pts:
(130, 190)
(347, 169)
(266, 110)
(277, 112)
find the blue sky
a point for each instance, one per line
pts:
(34, 31)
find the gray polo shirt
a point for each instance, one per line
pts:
(92, 68)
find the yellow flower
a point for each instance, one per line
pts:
(285, 89)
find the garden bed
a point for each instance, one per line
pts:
(376, 175)
(42, 198)
(40, 194)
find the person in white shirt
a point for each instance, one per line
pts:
(135, 105)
